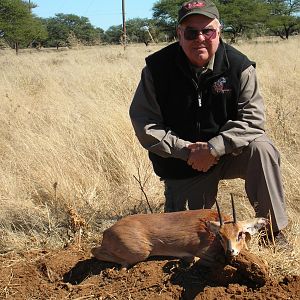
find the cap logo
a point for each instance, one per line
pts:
(196, 4)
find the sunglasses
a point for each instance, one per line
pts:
(192, 34)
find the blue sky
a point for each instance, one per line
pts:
(101, 13)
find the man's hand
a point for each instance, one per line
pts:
(200, 157)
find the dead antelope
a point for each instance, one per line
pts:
(202, 234)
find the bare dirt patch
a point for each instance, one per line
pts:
(72, 274)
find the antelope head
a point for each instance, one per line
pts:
(234, 235)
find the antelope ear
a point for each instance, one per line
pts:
(213, 226)
(247, 239)
(252, 226)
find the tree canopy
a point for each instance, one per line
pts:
(283, 17)
(18, 26)
(165, 14)
(62, 26)
(166, 10)
(240, 16)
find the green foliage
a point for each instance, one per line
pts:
(113, 34)
(62, 25)
(138, 30)
(57, 32)
(165, 14)
(166, 11)
(283, 18)
(18, 26)
(100, 33)
(241, 16)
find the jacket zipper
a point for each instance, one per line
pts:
(199, 99)
(199, 93)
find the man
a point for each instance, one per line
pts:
(199, 113)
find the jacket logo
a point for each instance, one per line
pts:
(219, 86)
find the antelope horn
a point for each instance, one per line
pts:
(219, 213)
(233, 209)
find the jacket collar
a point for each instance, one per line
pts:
(221, 63)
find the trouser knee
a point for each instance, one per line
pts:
(263, 150)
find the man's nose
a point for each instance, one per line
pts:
(200, 37)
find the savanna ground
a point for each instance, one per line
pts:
(70, 163)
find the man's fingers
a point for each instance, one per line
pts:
(192, 146)
(197, 145)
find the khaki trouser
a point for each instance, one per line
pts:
(258, 164)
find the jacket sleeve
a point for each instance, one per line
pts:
(147, 121)
(235, 135)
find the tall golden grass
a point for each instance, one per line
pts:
(68, 149)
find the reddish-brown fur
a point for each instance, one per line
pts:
(184, 234)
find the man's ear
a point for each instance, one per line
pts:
(213, 226)
(178, 32)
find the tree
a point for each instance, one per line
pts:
(57, 33)
(100, 34)
(165, 14)
(138, 30)
(283, 17)
(113, 34)
(167, 10)
(18, 26)
(62, 26)
(36, 32)
(241, 16)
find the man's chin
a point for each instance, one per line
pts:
(200, 60)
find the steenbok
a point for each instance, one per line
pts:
(202, 234)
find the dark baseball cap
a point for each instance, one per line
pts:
(201, 7)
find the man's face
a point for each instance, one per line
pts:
(199, 48)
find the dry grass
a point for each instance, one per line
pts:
(68, 149)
